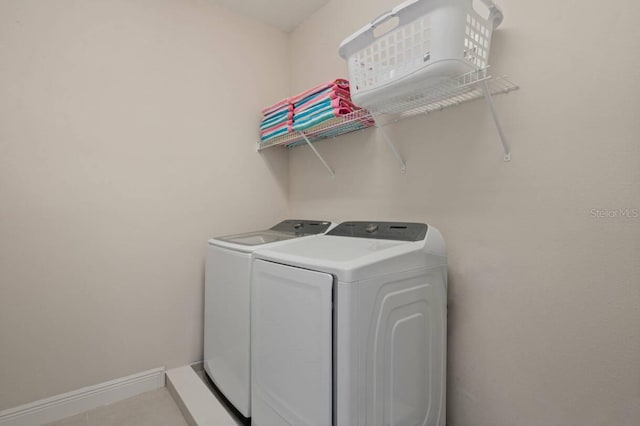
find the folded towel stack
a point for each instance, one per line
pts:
(307, 109)
(321, 103)
(276, 120)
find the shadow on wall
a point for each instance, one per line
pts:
(277, 161)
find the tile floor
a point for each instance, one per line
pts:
(155, 408)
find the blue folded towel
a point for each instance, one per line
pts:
(273, 121)
(277, 113)
(274, 134)
(319, 107)
(314, 119)
(313, 95)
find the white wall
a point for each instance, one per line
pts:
(127, 134)
(127, 138)
(544, 298)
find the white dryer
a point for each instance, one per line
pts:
(227, 304)
(349, 328)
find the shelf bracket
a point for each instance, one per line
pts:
(492, 108)
(315, 151)
(385, 137)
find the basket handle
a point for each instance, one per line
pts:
(390, 13)
(495, 13)
(382, 18)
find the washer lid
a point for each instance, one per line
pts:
(285, 230)
(302, 227)
(257, 238)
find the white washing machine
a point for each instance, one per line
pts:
(349, 328)
(227, 304)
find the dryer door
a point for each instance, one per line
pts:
(291, 346)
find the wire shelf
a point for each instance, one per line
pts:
(347, 123)
(450, 92)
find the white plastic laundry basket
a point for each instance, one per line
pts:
(433, 40)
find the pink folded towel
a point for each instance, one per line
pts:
(282, 105)
(332, 95)
(337, 84)
(286, 125)
(337, 104)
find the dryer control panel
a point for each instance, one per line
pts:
(399, 231)
(302, 227)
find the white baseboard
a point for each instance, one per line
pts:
(78, 401)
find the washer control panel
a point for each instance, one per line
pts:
(400, 231)
(302, 227)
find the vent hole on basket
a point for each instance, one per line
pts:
(386, 26)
